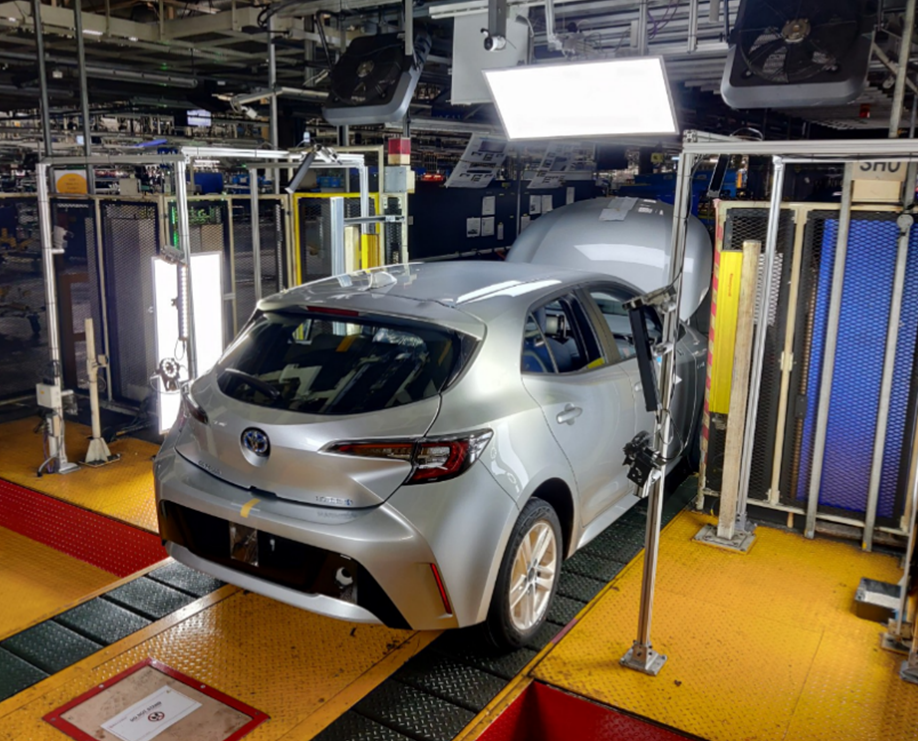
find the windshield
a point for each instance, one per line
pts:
(325, 365)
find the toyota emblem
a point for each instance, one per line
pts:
(256, 441)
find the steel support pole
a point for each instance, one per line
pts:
(272, 85)
(692, 26)
(42, 79)
(84, 92)
(409, 28)
(363, 176)
(758, 350)
(904, 222)
(336, 219)
(57, 447)
(103, 294)
(184, 235)
(641, 655)
(642, 28)
(828, 360)
(905, 52)
(912, 497)
(256, 232)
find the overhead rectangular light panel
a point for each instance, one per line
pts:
(608, 98)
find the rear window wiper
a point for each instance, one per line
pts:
(254, 382)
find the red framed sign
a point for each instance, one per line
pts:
(152, 701)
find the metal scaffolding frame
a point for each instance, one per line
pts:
(698, 145)
(180, 164)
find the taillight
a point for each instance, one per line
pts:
(191, 407)
(432, 459)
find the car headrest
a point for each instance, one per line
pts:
(554, 325)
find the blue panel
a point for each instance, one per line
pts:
(858, 362)
(817, 341)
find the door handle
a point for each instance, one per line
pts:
(569, 414)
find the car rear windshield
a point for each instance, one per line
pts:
(318, 364)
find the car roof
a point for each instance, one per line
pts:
(434, 291)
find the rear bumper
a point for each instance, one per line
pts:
(319, 603)
(394, 543)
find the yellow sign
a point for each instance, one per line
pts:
(723, 327)
(71, 183)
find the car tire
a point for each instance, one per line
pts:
(523, 595)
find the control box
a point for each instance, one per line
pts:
(49, 395)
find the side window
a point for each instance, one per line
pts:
(558, 338)
(610, 301)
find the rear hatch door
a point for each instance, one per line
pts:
(297, 381)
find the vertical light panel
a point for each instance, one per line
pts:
(207, 305)
(166, 324)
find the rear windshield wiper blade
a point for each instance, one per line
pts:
(255, 382)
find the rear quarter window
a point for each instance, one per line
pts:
(317, 364)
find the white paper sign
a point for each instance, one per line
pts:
(473, 227)
(535, 205)
(547, 204)
(489, 205)
(151, 716)
(480, 162)
(487, 226)
(571, 195)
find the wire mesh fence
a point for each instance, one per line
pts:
(741, 224)
(130, 241)
(24, 350)
(314, 232)
(783, 452)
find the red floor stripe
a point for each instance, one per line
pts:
(98, 540)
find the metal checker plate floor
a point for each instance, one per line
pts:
(38, 580)
(122, 490)
(251, 647)
(764, 645)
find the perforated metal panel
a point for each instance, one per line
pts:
(77, 283)
(23, 336)
(130, 234)
(273, 245)
(858, 368)
(752, 224)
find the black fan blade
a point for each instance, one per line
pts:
(764, 14)
(834, 39)
(756, 59)
(798, 63)
(844, 11)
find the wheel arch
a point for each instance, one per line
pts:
(557, 493)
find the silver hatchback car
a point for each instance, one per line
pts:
(420, 445)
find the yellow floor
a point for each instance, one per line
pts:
(761, 646)
(37, 581)
(301, 669)
(122, 490)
